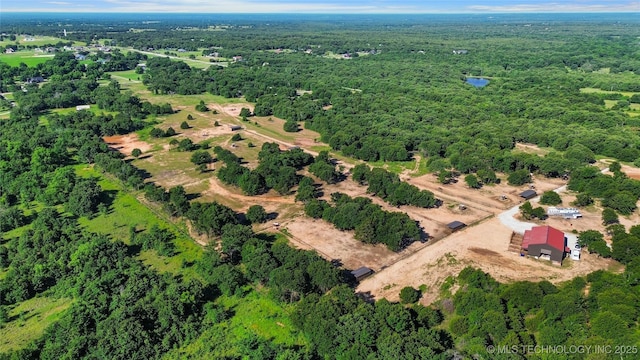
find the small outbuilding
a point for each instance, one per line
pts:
(528, 194)
(456, 225)
(35, 80)
(361, 273)
(235, 127)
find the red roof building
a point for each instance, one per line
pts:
(545, 241)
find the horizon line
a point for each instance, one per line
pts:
(10, 11)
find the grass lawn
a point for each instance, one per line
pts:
(29, 319)
(126, 75)
(26, 57)
(126, 211)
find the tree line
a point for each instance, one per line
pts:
(372, 225)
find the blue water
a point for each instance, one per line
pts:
(478, 82)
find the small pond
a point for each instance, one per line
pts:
(478, 82)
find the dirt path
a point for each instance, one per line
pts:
(216, 188)
(415, 169)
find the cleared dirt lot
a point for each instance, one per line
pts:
(433, 221)
(126, 143)
(485, 246)
(331, 243)
(488, 198)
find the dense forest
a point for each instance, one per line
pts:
(400, 94)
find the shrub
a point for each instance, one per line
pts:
(472, 181)
(136, 152)
(583, 199)
(550, 198)
(609, 217)
(202, 107)
(256, 214)
(184, 125)
(409, 295)
(291, 126)
(519, 177)
(156, 133)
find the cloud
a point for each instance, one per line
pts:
(320, 6)
(566, 6)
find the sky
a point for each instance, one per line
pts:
(320, 6)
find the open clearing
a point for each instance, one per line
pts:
(484, 246)
(488, 198)
(333, 244)
(26, 57)
(29, 319)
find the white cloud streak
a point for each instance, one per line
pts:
(248, 6)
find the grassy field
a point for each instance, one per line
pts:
(29, 319)
(129, 75)
(26, 57)
(140, 90)
(44, 120)
(396, 167)
(127, 211)
(254, 314)
(263, 316)
(27, 40)
(600, 91)
(199, 62)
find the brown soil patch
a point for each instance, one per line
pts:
(126, 143)
(271, 197)
(488, 198)
(485, 246)
(483, 252)
(631, 171)
(531, 149)
(232, 109)
(432, 221)
(333, 244)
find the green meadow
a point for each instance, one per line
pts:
(29, 319)
(127, 211)
(254, 314)
(26, 57)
